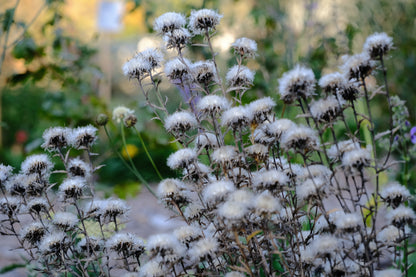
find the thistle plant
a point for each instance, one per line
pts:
(265, 195)
(259, 194)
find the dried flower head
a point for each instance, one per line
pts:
(37, 205)
(327, 110)
(188, 234)
(266, 204)
(211, 105)
(165, 246)
(84, 137)
(37, 164)
(90, 245)
(325, 245)
(33, 233)
(233, 213)
(217, 191)
(377, 45)
(206, 140)
(301, 138)
(169, 22)
(182, 158)
(395, 194)
(278, 127)
(126, 244)
(178, 38)
(225, 155)
(10, 205)
(389, 235)
(78, 168)
(296, 83)
(204, 248)
(17, 184)
(152, 268)
(172, 190)
(178, 69)
(204, 72)
(388, 273)
(112, 208)
(245, 47)
(258, 151)
(336, 151)
(142, 64)
(54, 243)
(310, 188)
(202, 21)
(239, 76)
(236, 118)
(65, 221)
(333, 82)
(272, 180)
(180, 122)
(401, 215)
(72, 188)
(121, 112)
(5, 172)
(261, 109)
(56, 138)
(356, 159)
(348, 222)
(357, 67)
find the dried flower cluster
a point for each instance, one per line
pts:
(259, 195)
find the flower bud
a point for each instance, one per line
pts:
(102, 119)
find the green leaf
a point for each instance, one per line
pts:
(9, 268)
(27, 49)
(8, 19)
(19, 78)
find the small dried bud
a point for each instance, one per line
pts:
(130, 121)
(102, 119)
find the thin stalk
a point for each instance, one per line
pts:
(148, 154)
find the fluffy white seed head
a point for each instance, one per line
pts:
(111, 208)
(395, 194)
(270, 180)
(239, 76)
(203, 248)
(204, 72)
(357, 66)
(377, 45)
(326, 110)
(172, 190)
(37, 164)
(33, 233)
(65, 220)
(296, 83)
(165, 246)
(261, 109)
(310, 188)
(182, 158)
(178, 38)
(234, 274)
(143, 63)
(203, 20)
(187, 234)
(169, 22)
(206, 140)
(325, 245)
(5, 172)
(245, 47)
(211, 105)
(84, 137)
(348, 222)
(125, 244)
(333, 82)
(10, 205)
(258, 151)
(180, 122)
(152, 268)
(242, 196)
(54, 243)
(356, 159)
(401, 215)
(72, 188)
(336, 151)
(233, 212)
(389, 235)
(301, 138)
(236, 118)
(37, 205)
(279, 127)
(79, 168)
(266, 204)
(177, 69)
(217, 191)
(225, 155)
(56, 138)
(121, 112)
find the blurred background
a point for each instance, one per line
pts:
(60, 63)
